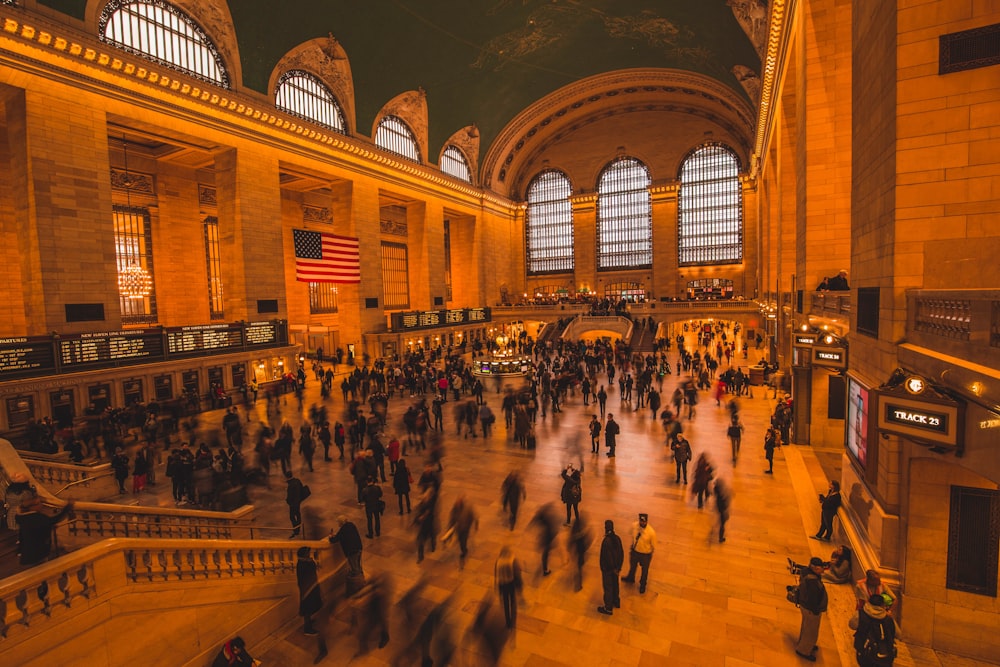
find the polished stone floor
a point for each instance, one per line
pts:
(707, 603)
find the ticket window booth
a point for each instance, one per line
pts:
(20, 409)
(189, 380)
(260, 371)
(132, 391)
(239, 372)
(99, 396)
(215, 377)
(163, 387)
(62, 408)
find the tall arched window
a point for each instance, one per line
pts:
(710, 207)
(396, 137)
(549, 224)
(162, 33)
(624, 217)
(302, 94)
(453, 163)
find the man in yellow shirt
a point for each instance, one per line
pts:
(643, 546)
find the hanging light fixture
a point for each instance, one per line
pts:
(134, 281)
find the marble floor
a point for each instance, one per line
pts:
(707, 603)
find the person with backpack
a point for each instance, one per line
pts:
(875, 638)
(812, 601)
(571, 492)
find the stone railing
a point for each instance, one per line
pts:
(59, 475)
(961, 323)
(831, 303)
(101, 590)
(98, 521)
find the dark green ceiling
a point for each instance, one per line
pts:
(484, 61)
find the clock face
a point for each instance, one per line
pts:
(915, 385)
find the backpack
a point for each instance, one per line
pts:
(575, 492)
(878, 650)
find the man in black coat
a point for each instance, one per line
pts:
(310, 597)
(373, 509)
(350, 541)
(293, 496)
(611, 431)
(612, 559)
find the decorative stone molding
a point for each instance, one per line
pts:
(316, 214)
(749, 80)
(752, 16)
(467, 141)
(326, 59)
(411, 107)
(132, 181)
(207, 195)
(393, 227)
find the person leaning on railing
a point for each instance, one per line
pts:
(34, 541)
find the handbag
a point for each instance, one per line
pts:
(792, 594)
(381, 506)
(306, 491)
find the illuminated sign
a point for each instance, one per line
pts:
(26, 356)
(805, 340)
(428, 319)
(832, 357)
(915, 385)
(920, 419)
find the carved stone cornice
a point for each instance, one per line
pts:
(316, 214)
(207, 195)
(132, 181)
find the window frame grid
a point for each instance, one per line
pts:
(710, 207)
(133, 244)
(395, 136)
(981, 539)
(624, 216)
(549, 237)
(213, 266)
(159, 32)
(395, 275)
(323, 298)
(454, 163)
(304, 95)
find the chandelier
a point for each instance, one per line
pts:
(134, 282)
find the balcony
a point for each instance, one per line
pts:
(961, 323)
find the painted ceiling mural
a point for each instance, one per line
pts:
(481, 62)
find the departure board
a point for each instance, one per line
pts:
(110, 348)
(263, 334)
(26, 356)
(427, 319)
(204, 339)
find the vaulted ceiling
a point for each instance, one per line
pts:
(483, 62)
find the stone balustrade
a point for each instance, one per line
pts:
(58, 475)
(98, 521)
(79, 592)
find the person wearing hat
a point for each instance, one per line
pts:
(812, 603)
(612, 559)
(641, 553)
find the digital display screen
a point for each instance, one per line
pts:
(858, 401)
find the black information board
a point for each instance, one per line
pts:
(26, 356)
(204, 339)
(33, 356)
(428, 319)
(110, 348)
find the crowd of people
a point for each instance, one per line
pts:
(370, 427)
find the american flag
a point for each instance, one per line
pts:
(326, 258)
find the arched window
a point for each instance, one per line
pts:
(302, 94)
(624, 218)
(710, 208)
(453, 163)
(396, 137)
(162, 33)
(549, 224)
